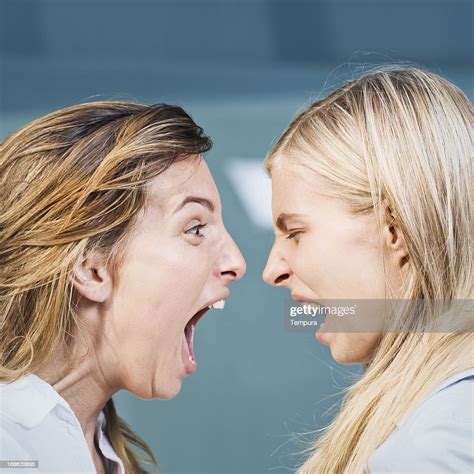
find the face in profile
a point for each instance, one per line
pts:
(323, 252)
(180, 260)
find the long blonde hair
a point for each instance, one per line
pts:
(70, 182)
(403, 135)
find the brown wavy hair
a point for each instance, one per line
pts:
(70, 182)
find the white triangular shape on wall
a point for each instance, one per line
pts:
(253, 187)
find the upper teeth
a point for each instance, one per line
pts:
(218, 304)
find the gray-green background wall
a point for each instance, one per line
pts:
(242, 69)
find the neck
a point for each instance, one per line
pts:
(85, 389)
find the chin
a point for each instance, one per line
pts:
(342, 358)
(356, 348)
(165, 391)
(347, 357)
(169, 392)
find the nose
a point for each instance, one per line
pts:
(277, 272)
(233, 266)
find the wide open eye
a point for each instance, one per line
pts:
(195, 230)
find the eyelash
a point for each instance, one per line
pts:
(293, 234)
(198, 227)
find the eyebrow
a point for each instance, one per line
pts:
(196, 199)
(282, 218)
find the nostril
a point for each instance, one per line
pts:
(282, 278)
(231, 275)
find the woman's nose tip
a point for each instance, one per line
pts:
(236, 266)
(278, 280)
(273, 276)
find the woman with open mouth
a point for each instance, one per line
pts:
(112, 248)
(372, 201)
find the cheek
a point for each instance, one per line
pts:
(322, 265)
(148, 298)
(160, 283)
(334, 266)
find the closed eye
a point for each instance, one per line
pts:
(293, 234)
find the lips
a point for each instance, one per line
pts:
(320, 336)
(187, 347)
(304, 299)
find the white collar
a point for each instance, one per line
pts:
(29, 399)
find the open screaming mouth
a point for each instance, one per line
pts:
(189, 358)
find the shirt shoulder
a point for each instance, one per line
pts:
(437, 437)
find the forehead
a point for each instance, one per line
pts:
(189, 176)
(293, 187)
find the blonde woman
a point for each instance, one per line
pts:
(371, 198)
(112, 247)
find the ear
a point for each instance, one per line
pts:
(92, 279)
(393, 237)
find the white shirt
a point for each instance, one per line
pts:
(437, 437)
(37, 424)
